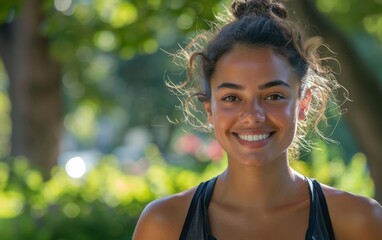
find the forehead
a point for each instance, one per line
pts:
(256, 64)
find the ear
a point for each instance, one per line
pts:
(207, 107)
(304, 104)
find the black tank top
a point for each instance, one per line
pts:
(197, 227)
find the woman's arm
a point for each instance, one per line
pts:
(354, 217)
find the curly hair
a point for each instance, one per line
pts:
(257, 23)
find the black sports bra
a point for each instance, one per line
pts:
(197, 227)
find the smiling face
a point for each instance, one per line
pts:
(254, 105)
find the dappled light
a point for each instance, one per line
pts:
(373, 25)
(75, 167)
(150, 46)
(107, 192)
(186, 19)
(117, 13)
(105, 40)
(62, 5)
(114, 136)
(71, 210)
(5, 120)
(125, 13)
(82, 122)
(327, 6)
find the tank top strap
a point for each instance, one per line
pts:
(312, 210)
(207, 199)
(196, 222)
(320, 226)
(324, 208)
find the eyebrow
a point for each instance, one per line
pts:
(261, 87)
(230, 86)
(273, 84)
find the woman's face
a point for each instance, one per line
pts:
(254, 104)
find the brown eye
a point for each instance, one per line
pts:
(275, 97)
(231, 99)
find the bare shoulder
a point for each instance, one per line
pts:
(353, 216)
(164, 218)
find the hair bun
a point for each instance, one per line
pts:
(261, 8)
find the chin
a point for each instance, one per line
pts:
(259, 160)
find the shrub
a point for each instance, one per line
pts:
(107, 201)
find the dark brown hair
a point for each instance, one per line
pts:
(257, 23)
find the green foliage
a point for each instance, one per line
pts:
(353, 15)
(106, 203)
(5, 121)
(111, 61)
(361, 21)
(332, 169)
(8, 9)
(123, 27)
(100, 44)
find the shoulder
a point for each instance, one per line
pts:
(353, 216)
(164, 218)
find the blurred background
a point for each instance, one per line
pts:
(85, 136)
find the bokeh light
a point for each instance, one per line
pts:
(62, 5)
(75, 167)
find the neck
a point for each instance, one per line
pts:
(259, 187)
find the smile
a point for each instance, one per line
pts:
(254, 138)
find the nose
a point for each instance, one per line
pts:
(253, 113)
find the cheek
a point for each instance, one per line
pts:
(285, 115)
(223, 118)
(221, 113)
(291, 115)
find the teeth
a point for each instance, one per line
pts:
(253, 138)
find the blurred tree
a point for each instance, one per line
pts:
(41, 39)
(352, 29)
(34, 87)
(78, 41)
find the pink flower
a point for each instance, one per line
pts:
(189, 144)
(214, 150)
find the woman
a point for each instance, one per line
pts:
(264, 88)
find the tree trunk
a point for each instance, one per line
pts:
(364, 112)
(34, 88)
